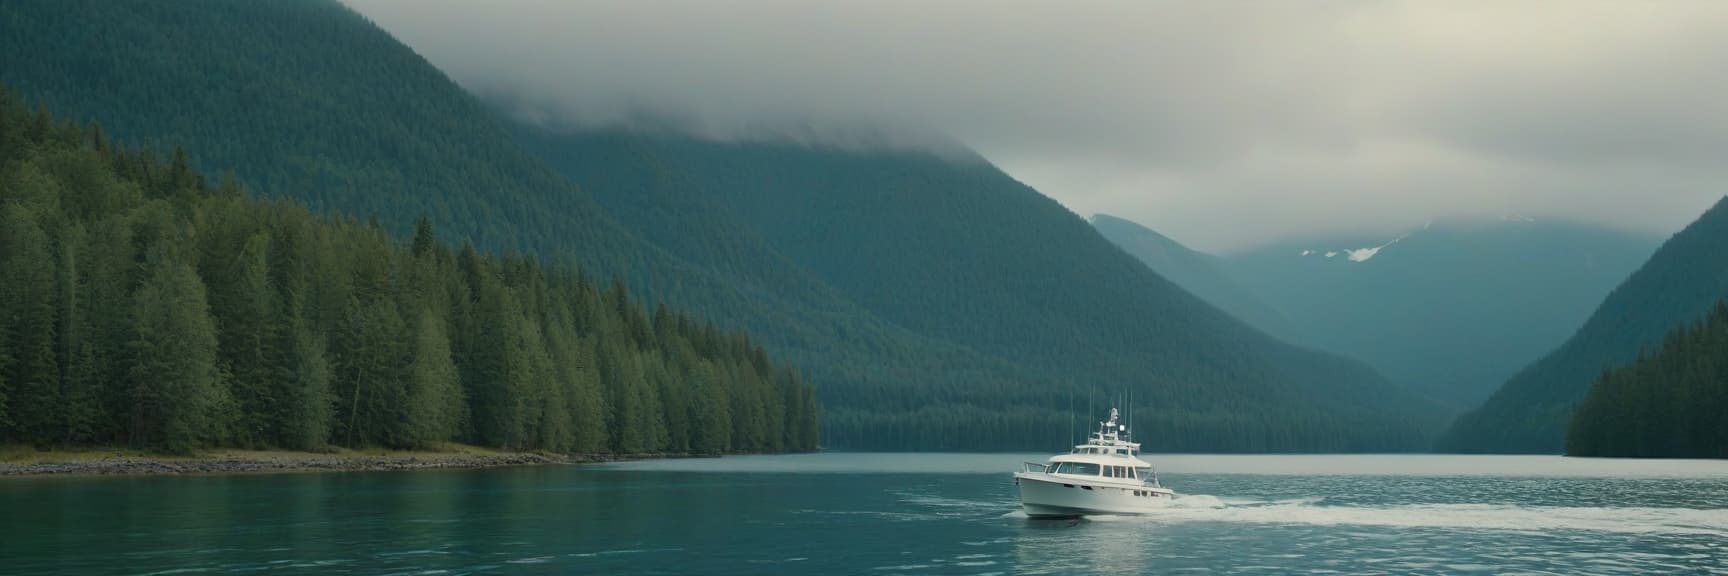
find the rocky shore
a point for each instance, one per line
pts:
(250, 464)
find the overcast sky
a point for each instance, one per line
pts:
(1222, 124)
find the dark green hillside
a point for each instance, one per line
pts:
(1451, 309)
(300, 98)
(1680, 282)
(143, 307)
(1201, 274)
(305, 99)
(960, 252)
(1672, 402)
(934, 306)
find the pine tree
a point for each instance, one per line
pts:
(587, 406)
(298, 369)
(174, 377)
(712, 415)
(79, 376)
(241, 303)
(434, 396)
(27, 301)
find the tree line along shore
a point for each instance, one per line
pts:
(147, 308)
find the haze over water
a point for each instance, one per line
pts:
(885, 514)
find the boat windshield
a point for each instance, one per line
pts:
(1077, 468)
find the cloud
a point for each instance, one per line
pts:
(1222, 124)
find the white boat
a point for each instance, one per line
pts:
(1103, 476)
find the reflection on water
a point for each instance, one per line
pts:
(1082, 546)
(883, 514)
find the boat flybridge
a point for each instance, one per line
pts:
(1103, 476)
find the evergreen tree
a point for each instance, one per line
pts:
(79, 369)
(434, 396)
(174, 377)
(27, 302)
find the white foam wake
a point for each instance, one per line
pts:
(1633, 520)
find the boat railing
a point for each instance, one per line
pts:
(1038, 467)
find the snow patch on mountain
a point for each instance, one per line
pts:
(1356, 254)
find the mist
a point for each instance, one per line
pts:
(1221, 124)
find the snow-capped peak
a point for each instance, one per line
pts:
(1356, 254)
(1363, 254)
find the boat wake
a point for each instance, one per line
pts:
(1313, 511)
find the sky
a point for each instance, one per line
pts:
(1222, 124)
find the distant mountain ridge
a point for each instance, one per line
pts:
(1199, 273)
(1675, 287)
(1451, 308)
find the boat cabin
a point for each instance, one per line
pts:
(1107, 455)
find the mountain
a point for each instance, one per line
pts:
(308, 100)
(1676, 286)
(147, 308)
(1450, 309)
(1672, 402)
(957, 251)
(934, 302)
(1200, 274)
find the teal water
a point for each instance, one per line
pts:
(886, 515)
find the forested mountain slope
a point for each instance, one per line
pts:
(142, 307)
(959, 251)
(1679, 283)
(1201, 274)
(308, 100)
(963, 326)
(1451, 309)
(1672, 402)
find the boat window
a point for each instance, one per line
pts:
(1132, 473)
(1080, 468)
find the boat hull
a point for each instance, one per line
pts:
(1050, 496)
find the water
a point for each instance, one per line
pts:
(884, 515)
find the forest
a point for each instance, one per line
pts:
(145, 306)
(1671, 402)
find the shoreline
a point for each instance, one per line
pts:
(244, 462)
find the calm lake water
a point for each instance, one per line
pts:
(884, 515)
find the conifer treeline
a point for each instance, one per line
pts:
(1671, 402)
(140, 306)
